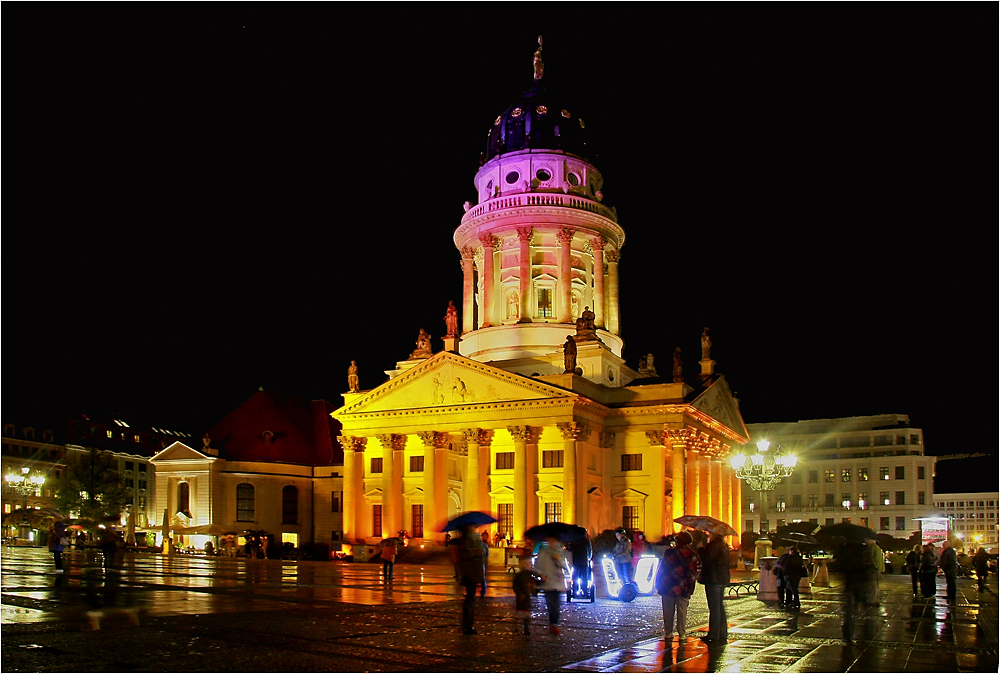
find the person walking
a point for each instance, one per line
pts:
(57, 544)
(793, 569)
(389, 552)
(949, 564)
(622, 555)
(913, 566)
(639, 547)
(854, 561)
(525, 585)
(928, 571)
(675, 581)
(485, 538)
(876, 563)
(715, 577)
(552, 567)
(469, 553)
(981, 563)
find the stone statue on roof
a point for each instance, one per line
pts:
(585, 328)
(539, 65)
(451, 320)
(352, 378)
(706, 345)
(678, 366)
(423, 349)
(569, 355)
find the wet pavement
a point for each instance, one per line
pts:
(201, 614)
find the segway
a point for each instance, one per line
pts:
(627, 591)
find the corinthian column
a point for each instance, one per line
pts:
(354, 448)
(521, 436)
(490, 244)
(726, 490)
(572, 432)
(704, 481)
(468, 290)
(736, 504)
(655, 505)
(715, 497)
(678, 441)
(391, 501)
(598, 243)
(565, 237)
(524, 235)
(614, 319)
(693, 480)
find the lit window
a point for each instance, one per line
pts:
(552, 458)
(417, 466)
(505, 461)
(544, 303)
(631, 462)
(553, 512)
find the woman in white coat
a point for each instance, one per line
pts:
(552, 566)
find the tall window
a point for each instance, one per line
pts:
(900, 498)
(796, 500)
(920, 473)
(417, 466)
(900, 524)
(417, 517)
(544, 303)
(631, 462)
(845, 501)
(505, 460)
(900, 472)
(883, 523)
(552, 459)
(553, 512)
(813, 500)
(244, 503)
(828, 475)
(862, 474)
(883, 498)
(862, 500)
(184, 498)
(828, 499)
(845, 475)
(779, 503)
(377, 519)
(376, 465)
(290, 505)
(505, 521)
(630, 517)
(335, 501)
(813, 476)
(921, 498)
(883, 473)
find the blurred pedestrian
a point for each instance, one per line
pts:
(876, 562)
(469, 550)
(639, 547)
(57, 544)
(497, 539)
(453, 553)
(389, 551)
(525, 587)
(581, 554)
(928, 571)
(485, 537)
(913, 566)
(675, 581)
(622, 555)
(715, 577)
(854, 561)
(949, 564)
(792, 570)
(981, 563)
(552, 567)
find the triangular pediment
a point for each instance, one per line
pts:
(178, 451)
(630, 493)
(446, 380)
(718, 402)
(549, 490)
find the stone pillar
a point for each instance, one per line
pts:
(704, 481)
(524, 235)
(353, 447)
(598, 243)
(693, 482)
(726, 494)
(472, 470)
(522, 435)
(614, 319)
(468, 290)
(678, 440)
(572, 432)
(715, 495)
(431, 515)
(736, 503)
(391, 501)
(655, 504)
(488, 279)
(565, 283)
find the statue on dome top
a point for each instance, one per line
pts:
(539, 65)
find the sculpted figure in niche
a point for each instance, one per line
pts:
(352, 378)
(575, 307)
(569, 355)
(585, 329)
(451, 320)
(706, 345)
(513, 305)
(678, 366)
(438, 390)
(423, 346)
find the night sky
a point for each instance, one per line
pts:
(205, 199)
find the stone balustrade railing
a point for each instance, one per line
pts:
(540, 199)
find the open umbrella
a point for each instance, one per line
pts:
(799, 537)
(706, 523)
(848, 531)
(469, 519)
(565, 533)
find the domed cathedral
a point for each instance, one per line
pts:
(531, 412)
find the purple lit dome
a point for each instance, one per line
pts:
(538, 121)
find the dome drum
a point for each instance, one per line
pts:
(532, 171)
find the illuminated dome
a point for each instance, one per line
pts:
(539, 120)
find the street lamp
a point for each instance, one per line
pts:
(762, 472)
(24, 484)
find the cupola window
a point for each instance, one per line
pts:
(573, 179)
(565, 113)
(581, 124)
(543, 175)
(497, 123)
(517, 112)
(541, 110)
(512, 177)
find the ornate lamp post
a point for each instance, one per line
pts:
(762, 472)
(24, 483)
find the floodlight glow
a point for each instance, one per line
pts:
(737, 461)
(763, 445)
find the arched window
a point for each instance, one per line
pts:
(290, 505)
(184, 498)
(244, 503)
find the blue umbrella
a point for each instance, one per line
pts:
(469, 519)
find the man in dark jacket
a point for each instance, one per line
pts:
(913, 566)
(949, 564)
(792, 570)
(471, 573)
(715, 578)
(981, 563)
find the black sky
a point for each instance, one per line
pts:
(204, 199)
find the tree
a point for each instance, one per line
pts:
(92, 487)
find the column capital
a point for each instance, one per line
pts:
(478, 436)
(526, 434)
(565, 235)
(435, 439)
(468, 253)
(574, 430)
(352, 443)
(613, 256)
(525, 234)
(598, 242)
(492, 242)
(680, 437)
(607, 440)
(393, 441)
(656, 438)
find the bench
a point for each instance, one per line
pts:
(747, 585)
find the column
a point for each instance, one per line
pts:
(715, 495)
(598, 243)
(736, 503)
(471, 495)
(565, 283)
(693, 481)
(390, 500)
(705, 483)
(442, 443)
(655, 504)
(521, 436)
(524, 235)
(490, 244)
(726, 493)
(572, 432)
(431, 516)
(349, 508)
(468, 290)
(614, 319)
(678, 440)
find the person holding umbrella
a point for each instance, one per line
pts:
(675, 581)
(715, 577)
(57, 543)
(469, 565)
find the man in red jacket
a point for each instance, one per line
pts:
(675, 582)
